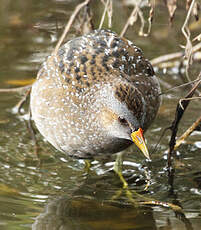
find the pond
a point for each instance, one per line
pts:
(52, 191)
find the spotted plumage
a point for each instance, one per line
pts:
(81, 93)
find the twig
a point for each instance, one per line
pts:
(141, 16)
(198, 37)
(188, 99)
(151, 16)
(172, 56)
(85, 21)
(133, 14)
(70, 22)
(104, 13)
(178, 115)
(166, 57)
(186, 32)
(174, 207)
(15, 90)
(179, 86)
(181, 139)
(33, 135)
(22, 101)
(109, 13)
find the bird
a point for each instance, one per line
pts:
(96, 96)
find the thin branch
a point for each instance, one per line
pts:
(141, 16)
(15, 90)
(133, 14)
(188, 99)
(104, 13)
(186, 32)
(178, 115)
(166, 58)
(22, 101)
(69, 24)
(173, 56)
(181, 139)
(109, 13)
(151, 16)
(179, 86)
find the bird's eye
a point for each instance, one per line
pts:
(123, 121)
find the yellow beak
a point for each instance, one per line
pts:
(138, 139)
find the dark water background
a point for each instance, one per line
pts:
(55, 192)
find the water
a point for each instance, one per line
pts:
(51, 191)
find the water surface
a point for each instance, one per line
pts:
(51, 191)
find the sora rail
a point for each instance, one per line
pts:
(95, 96)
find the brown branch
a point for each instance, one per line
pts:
(178, 115)
(108, 9)
(166, 58)
(188, 99)
(181, 139)
(104, 13)
(173, 56)
(151, 16)
(132, 15)
(110, 13)
(141, 16)
(69, 24)
(15, 90)
(179, 86)
(172, 6)
(22, 101)
(188, 47)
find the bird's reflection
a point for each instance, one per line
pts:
(87, 213)
(91, 207)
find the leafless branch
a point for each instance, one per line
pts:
(173, 56)
(22, 101)
(179, 86)
(14, 90)
(188, 47)
(133, 16)
(69, 24)
(178, 115)
(104, 13)
(181, 139)
(188, 99)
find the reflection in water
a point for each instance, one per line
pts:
(91, 207)
(84, 213)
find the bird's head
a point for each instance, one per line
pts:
(122, 124)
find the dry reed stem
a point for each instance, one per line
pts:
(109, 9)
(151, 16)
(188, 99)
(173, 56)
(198, 37)
(110, 13)
(104, 13)
(178, 115)
(181, 139)
(14, 90)
(179, 86)
(69, 24)
(22, 101)
(141, 16)
(133, 18)
(133, 14)
(188, 47)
